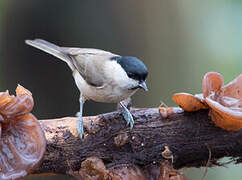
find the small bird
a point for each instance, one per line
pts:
(100, 75)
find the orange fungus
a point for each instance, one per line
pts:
(127, 172)
(188, 102)
(93, 168)
(22, 141)
(212, 82)
(166, 112)
(226, 104)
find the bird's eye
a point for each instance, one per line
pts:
(131, 75)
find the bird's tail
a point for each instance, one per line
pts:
(51, 49)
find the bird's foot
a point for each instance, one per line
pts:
(126, 102)
(80, 126)
(127, 115)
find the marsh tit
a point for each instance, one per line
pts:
(100, 75)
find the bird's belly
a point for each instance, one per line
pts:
(107, 94)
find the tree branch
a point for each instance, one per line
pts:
(190, 136)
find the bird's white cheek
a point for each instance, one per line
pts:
(121, 79)
(118, 76)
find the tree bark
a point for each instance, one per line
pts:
(191, 137)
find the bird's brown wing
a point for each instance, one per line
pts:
(90, 63)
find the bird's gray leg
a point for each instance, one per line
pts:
(80, 119)
(127, 115)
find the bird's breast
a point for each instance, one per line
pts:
(109, 93)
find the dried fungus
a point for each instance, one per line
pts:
(212, 82)
(226, 104)
(127, 172)
(163, 171)
(167, 172)
(22, 142)
(188, 102)
(165, 112)
(93, 168)
(121, 139)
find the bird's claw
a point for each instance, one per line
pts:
(127, 115)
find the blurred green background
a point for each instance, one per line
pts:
(179, 41)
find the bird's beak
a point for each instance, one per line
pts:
(143, 86)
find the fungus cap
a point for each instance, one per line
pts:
(22, 141)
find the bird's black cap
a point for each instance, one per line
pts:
(134, 67)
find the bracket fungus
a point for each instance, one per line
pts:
(169, 111)
(224, 102)
(165, 171)
(22, 141)
(93, 168)
(188, 102)
(212, 82)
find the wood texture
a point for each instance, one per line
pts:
(190, 137)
